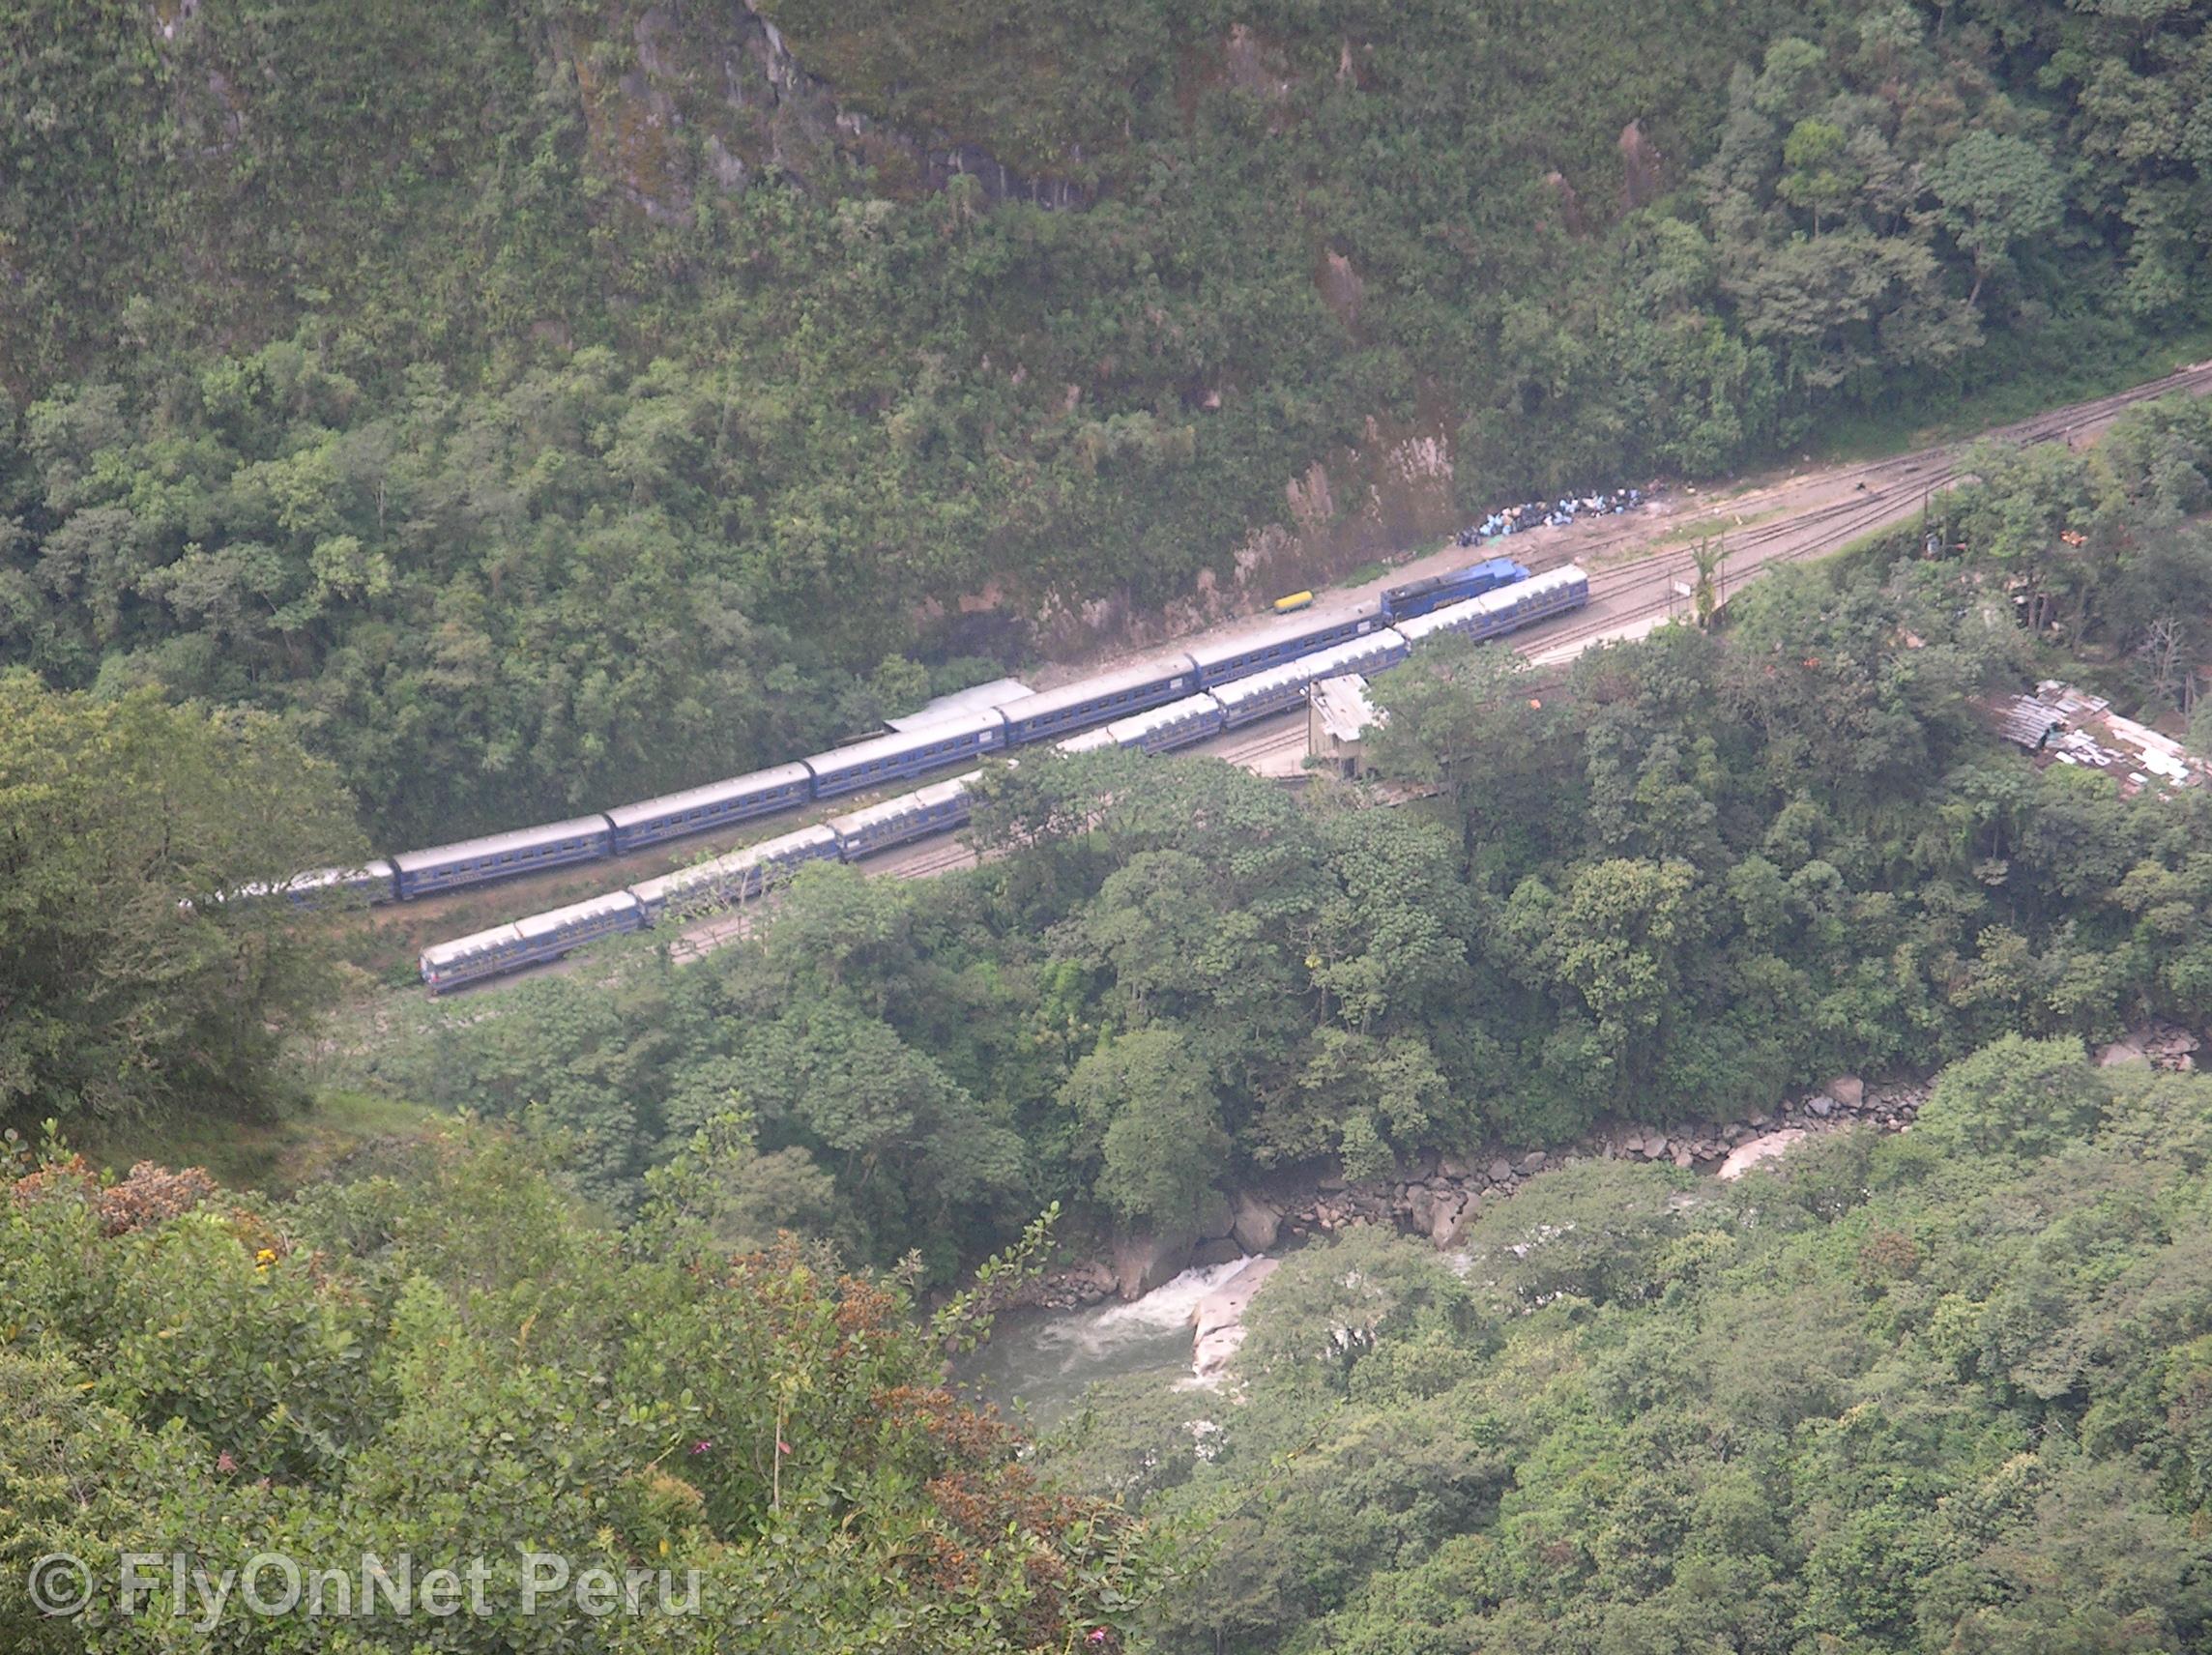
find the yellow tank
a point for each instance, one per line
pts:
(1296, 601)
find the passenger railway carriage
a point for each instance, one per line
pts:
(1052, 713)
(1177, 724)
(701, 810)
(889, 758)
(1090, 741)
(527, 941)
(736, 878)
(935, 809)
(319, 887)
(1279, 688)
(1508, 609)
(502, 856)
(744, 874)
(1270, 646)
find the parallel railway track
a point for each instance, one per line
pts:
(1626, 597)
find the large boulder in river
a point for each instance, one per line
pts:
(1215, 1216)
(1767, 1146)
(1449, 1218)
(1219, 1317)
(1144, 1259)
(1220, 1250)
(1254, 1223)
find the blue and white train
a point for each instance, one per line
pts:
(1234, 701)
(1257, 653)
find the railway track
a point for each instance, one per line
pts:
(1627, 597)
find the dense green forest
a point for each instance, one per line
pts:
(1705, 869)
(119, 995)
(541, 403)
(449, 1361)
(421, 419)
(1940, 1391)
(1943, 1391)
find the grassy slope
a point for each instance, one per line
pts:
(277, 1155)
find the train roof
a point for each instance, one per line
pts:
(1138, 725)
(554, 919)
(708, 794)
(491, 844)
(999, 693)
(467, 947)
(905, 804)
(1492, 602)
(1347, 657)
(1303, 626)
(652, 891)
(1430, 583)
(1049, 701)
(891, 746)
(1090, 740)
(322, 879)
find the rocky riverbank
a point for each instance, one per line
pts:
(1444, 1195)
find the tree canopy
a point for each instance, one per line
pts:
(128, 983)
(1938, 1391)
(534, 419)
(450, 1361)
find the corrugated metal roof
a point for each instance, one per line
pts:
(2076, 728)
(1344, 708)
(2028, 722)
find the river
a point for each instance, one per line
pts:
(1037, 1363)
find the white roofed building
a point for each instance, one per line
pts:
(1338, 718)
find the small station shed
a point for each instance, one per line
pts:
(1338, 718)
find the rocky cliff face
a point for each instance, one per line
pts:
(679, 102)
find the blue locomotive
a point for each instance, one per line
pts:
(1419, 597)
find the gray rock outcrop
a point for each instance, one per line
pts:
(1219, 1317)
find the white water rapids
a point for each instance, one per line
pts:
(1040, 1362)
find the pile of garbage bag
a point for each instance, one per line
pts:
(1550, 514)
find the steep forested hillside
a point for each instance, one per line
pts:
(449, 1366)
(1703, 870)
(542, 402)
(1939, 1392)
